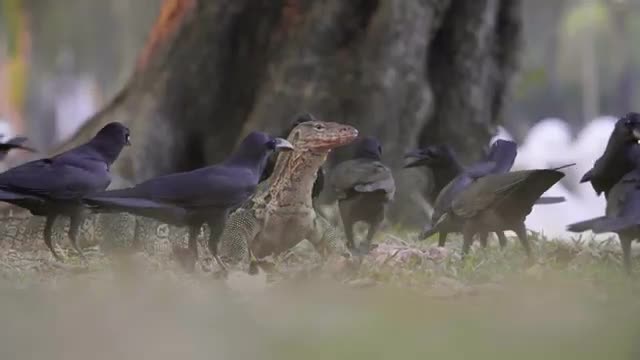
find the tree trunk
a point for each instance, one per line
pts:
(407, 71)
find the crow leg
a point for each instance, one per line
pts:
(521, 232)
(216, 226)
(48, 227)
(136, 244)
(348, 231)
(373, 229)
(188, 260)
(625, 241)
(502, 239)
(75, 221)
(483, 239)
(347, 223)
(467, 235)
(442, 238)
(194, 231)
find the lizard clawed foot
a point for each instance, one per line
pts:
(224, 270)
(255, 265)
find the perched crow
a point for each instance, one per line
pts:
(499, 160)
(14, 143)
(364, 186)
(615, 162)
(271, 163)
(497, 202)
(194, 198)
(622, 214)
(55, 186)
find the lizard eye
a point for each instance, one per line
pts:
(319, 127)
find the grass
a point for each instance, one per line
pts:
(574, 303)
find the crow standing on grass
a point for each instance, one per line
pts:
(499, 160)
(364, 186)
(202, 196)
(55, 186)
(622, 215)
(615, 162)
(496, 203)
(443, 162)
(446, 167)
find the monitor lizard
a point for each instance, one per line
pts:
(280, 214)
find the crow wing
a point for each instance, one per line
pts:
(56, 179)
(362, 175)
(215, 186)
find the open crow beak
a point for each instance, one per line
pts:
(282, 145)
(414, 158)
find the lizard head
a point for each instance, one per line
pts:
(320, 136)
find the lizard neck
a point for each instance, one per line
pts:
(293, 177)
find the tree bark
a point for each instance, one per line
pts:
(407, 71)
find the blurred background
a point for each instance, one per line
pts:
(62, 60)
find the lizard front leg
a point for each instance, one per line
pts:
(326, 239)
(241, 228)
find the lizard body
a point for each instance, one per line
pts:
(281, 214)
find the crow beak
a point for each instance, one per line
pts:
(413, 159)
(443, 219)
(283, 145)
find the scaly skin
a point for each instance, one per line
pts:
(20, 230)
(280, 214)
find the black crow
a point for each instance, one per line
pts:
(443, 162)
(202, 196)
(622, 215)
(615, 162)
(499, 160)
(55, 186)
(364, 186)
(497, 202)
(14, 143)
(271, 163)
(445, 166)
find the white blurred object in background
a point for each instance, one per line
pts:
(5, 129)
(549, 144)
(74, 104)
(75, 97)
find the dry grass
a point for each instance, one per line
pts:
(407, 300)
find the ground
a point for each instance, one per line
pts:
(406, 299)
